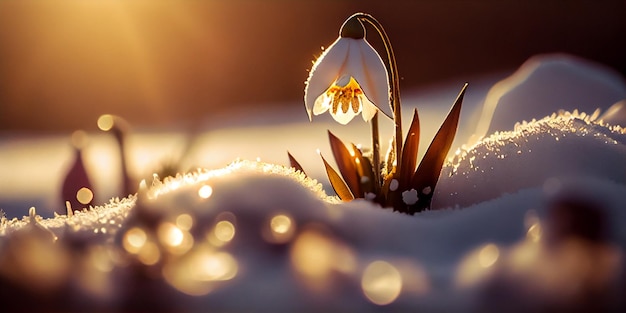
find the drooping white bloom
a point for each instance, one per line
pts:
(349, 78)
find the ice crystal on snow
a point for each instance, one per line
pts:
(563, 144)
(106, 219)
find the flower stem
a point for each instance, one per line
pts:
(376, 153)
(395, 87)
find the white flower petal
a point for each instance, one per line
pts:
(325, 71)
(322, 104)
(354, 64)
(369, 109)
(375, 83)
(343, 118)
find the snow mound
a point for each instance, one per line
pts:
(99, 221)
(616, 114)
(545, 84)
(558, 146)
(267, 234)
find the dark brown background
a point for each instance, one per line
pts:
(158, 63)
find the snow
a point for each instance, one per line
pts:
(528, 219)
(545, 84)
(410, 196)
(438, 254)
(558, 146)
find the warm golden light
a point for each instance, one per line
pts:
(100, 259)
(184, 221)
(79, 139)
(149, 254)
(488, 255)
(534, 233)
(316, 256)
(92, 272)
(34, 261)
(381, 283)
(215, 266)
(106, 122)
(176, 240)
(280, 224)
(476, 265)
(224, 231)
(170, 235)
(134, 239)
(533, 226)
(200, 271)
(84, 195)
(205, 191)
(281, 229)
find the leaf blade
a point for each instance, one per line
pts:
(364, 170)
(347, 167)
(294, 163)
(409, 150)
(429, 169)
(337, 183)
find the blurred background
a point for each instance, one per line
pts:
(164, 63)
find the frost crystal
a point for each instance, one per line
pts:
(410, 197)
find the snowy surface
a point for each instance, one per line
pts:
(319, 259)
(545, 84)
(562, 145)
(527, 220)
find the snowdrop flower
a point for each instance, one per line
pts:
(349, 78)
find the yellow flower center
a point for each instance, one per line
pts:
(346, 96)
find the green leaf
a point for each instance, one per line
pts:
(337, 183)
(347, 167)
(409, 151)
(295, 164)
(429, 169)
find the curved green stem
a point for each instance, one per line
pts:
(394, 82)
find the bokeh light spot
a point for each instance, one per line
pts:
(84, 195)
(488, 255)
(134, 239)
(534, 233)
(205, 191)
(224, 231)
(184, 221)
(281, 229)
(79, 139)
(280, 224)
(105, 122)
(200, 271)
(381, 283)
(149, 254)
(175, 240)
(170, 235)
(316, 255)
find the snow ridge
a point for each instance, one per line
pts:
(563, 144)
